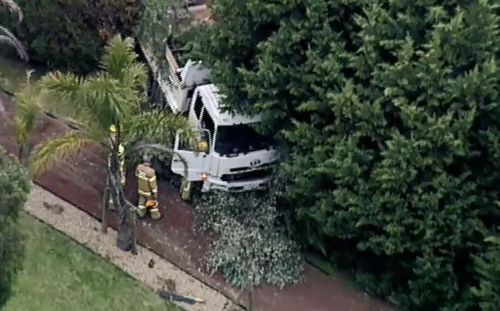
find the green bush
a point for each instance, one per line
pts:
(71, 34)
(153, 127)
(14, 189)
(488, 267)
(390, 110)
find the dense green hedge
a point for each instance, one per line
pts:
(390, 110)
(488, 266)
(14, 189)
(70, 34)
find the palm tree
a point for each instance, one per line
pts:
(112, 96)
(7, 37)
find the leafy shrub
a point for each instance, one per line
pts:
(249, 248)
(14, 189)
(71, 34)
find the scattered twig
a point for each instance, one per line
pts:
(56, 208)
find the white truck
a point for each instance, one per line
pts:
(237, 158)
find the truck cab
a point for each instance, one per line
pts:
(237, 157)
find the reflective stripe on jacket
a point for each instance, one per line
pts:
(121, 155)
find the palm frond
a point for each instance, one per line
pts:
(66, 86)
(56, 150)
(10, 39)
(135, 76)
(27, 111)
(13, 7)
(111, 100)
(119, 55)
(64, 94)
(166, 150)
(156, 125)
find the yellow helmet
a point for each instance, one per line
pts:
(202, 146)
(113, 128)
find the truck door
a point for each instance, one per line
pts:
(191, 155)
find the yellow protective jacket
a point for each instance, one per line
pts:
(146, 180)
(121, 159)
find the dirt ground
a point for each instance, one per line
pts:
(80, 182)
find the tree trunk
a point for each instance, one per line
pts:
(126, 234)
(250, 299)
(105, 206)
(125, 239)
(20, 151)
(133, 227)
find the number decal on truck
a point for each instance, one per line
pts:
(255, 163)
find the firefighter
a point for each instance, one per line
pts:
(202, 141)
(121, 153)
(121, 159)
(147, 190)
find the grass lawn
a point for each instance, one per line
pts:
(61, 275)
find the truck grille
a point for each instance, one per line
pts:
(257, 174)
(244, 168)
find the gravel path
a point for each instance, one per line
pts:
(86, 230)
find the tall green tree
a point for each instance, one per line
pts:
(14, 189)
(390, 111)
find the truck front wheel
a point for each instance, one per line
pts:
(189, 189)
(186, 190)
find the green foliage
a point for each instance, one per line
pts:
(488, 267)
(14, 189)
(390, 110)
(151, 127)
(249, 247)
(26, 116)
(111, 96)
(71, 34)
(160, 19)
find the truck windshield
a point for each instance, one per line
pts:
(242, 138)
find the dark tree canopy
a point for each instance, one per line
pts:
(488, 266)
(71, 34)
(14, 189)
(390, 110)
